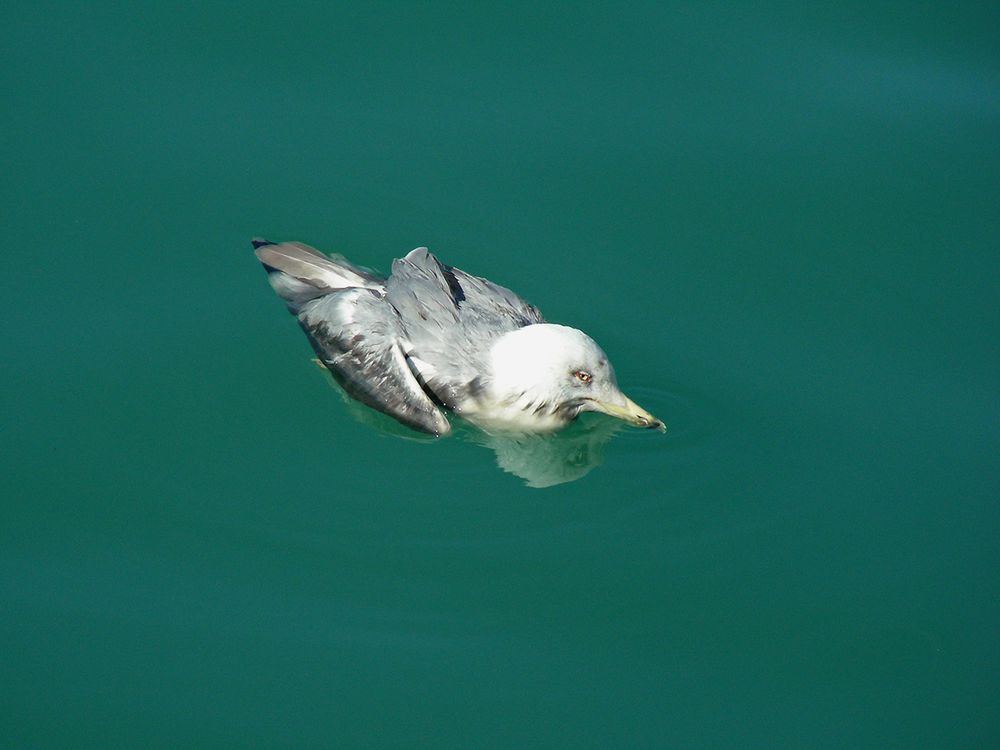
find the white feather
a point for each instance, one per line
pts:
(529, 372)
(535, 358)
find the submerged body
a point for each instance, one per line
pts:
(431, 337)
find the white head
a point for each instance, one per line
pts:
(558, 372)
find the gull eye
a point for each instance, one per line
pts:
(583, 376)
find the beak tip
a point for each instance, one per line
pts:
(655, 424)
(629, 412)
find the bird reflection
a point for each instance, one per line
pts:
(540, 459)
(548, 459)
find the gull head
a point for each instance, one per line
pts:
(544, 375)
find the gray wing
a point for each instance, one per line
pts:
(358, 337)
(450, 319)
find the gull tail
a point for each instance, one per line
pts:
(299, 273)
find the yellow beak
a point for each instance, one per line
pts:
(629, 412)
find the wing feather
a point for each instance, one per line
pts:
(357, 335)
(450, 319)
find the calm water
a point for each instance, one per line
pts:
(780, 223)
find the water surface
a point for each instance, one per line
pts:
(779, 222)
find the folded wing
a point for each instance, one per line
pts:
(357, 336)
(354, 331)
(450, 319)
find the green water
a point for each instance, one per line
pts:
(781, 223)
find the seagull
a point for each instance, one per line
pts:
(431, 338)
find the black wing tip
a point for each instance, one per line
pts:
(258, 242)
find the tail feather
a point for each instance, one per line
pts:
(299, 273)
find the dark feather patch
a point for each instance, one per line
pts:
(457, 293)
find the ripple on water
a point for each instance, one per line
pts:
(691, 417)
